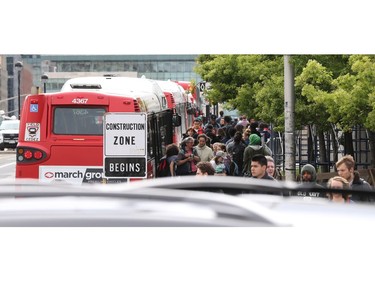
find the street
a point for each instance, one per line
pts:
(7, 164)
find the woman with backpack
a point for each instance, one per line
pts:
(167, 162)
(236, 151)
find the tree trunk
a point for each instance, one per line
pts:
(310, 146)
(348, 143)
(335, 149)
(322, 153)
(371, 136)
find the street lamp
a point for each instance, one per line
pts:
(18, 65)
(44, 78)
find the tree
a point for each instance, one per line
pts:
(353, 101)
(331, 90)
(312, 85)
(247, 83)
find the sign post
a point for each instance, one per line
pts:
(125, 145)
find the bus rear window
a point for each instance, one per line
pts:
(78, 121)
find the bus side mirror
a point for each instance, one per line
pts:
(176, 120)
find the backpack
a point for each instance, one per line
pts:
(163, 168)
(266, 150)
(233, 169)
(237, 155)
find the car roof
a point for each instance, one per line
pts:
(69, 205)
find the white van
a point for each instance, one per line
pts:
(9, 130)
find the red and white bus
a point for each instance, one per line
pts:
(61, 134)
(190, 91)
(178, 101)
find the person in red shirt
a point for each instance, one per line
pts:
(197, 126)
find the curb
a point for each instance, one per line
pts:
(8, 152)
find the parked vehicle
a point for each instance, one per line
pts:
(9, 131)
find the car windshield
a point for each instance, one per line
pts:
(9, 125)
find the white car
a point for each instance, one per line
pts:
(29, 203)
(9, 130)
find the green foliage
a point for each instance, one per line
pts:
(355, 94)
(313, 84)
(338, 89)
(249, 83)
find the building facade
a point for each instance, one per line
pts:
(15, 84)
(59, 68)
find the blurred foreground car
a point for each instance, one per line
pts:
(316, 212)
(282, 198)
(175, 202)
(28, 203)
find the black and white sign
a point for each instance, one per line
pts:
(202, 86)
(125, 167)
(125, 145)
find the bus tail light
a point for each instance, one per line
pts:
(29, 155)
(38, 155)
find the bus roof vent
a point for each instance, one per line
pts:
(85, 86)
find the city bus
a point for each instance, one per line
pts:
(190, 91)
(178, 101)
(61, 133)
(173, 100)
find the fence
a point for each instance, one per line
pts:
(367, 174)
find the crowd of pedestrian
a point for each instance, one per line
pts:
(226, 147)
(226, 144)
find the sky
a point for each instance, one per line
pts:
(188, 27)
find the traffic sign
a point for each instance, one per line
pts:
(125, 145)
(202, 86)
(125, 167)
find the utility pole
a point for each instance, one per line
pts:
(289, 103)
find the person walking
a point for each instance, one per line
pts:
(205, 168)
(171, 153)
(252, 149)
(308, 177)
(338, 182)
(236, 151)
(271, 168)
(187, 158)
(259, 167)
(204, 152)
(345, 168)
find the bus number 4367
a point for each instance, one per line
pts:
(80, 101)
